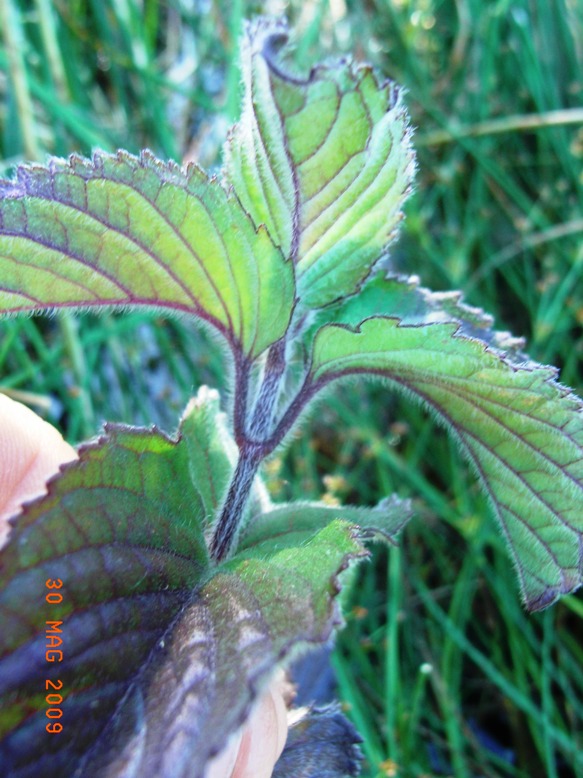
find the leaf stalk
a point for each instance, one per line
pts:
(262, 418)
(225, 531)
(255, 443)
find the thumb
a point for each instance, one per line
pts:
(31, 450)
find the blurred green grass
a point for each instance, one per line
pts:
(439, 666)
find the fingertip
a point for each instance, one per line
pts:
(31, 450)
(265, 733)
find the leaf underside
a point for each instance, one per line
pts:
(128, 555)
(297, 522)
(199, 685)
(120, 230)
(521, 430)
(324, 162)
(322, 745)
(163, 654)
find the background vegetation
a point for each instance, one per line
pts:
(439, 666)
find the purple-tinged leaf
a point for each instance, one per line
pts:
(120, 230)
(521, 430)
(200, 682)
(299, 521)
(323, 744)
(324, 162)
(402, 296)
(121, 530)
(154, 656)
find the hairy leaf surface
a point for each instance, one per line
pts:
(324, 162)
(123, 230)
(213, 456)
(199, 684)
(298, 522)
(162, 654)
(522, 431)
(403, 297)
(122, 530)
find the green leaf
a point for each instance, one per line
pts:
(213, 454)
(126, 231)
(324, 162)
(521, 430)
(387, 294)
(297, 522)
(121, 528)
(162, 654)
(413, 304)
(199, 684)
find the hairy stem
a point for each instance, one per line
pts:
(290, 416)
(255, 442)
(262, 418)
(225, 531)
(241, 397)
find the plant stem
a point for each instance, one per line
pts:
(255, 441)
(262, 418)
(251, 442)
(241, 398)
(225, 531)
(290, 415)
